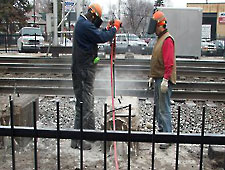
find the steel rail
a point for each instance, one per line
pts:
(60, 60)
(120, 70)
(125, 67)
(133, 84)
(142, 93)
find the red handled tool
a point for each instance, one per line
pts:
(113, 92)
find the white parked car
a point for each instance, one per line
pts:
(30, 39)
(207, 47)
(129, 43)
(65, 42)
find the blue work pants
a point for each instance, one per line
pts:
(163, 106)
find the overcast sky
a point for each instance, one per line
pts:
(175, 3)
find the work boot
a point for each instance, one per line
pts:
(86, 145)
(160, 130)
(75, 144)
(164, 145)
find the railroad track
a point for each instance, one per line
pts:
(130, 73)
(185, 71)
(67, 60)
(102, 65)
(218, 72)
(182, 91)
(144, 93)
(134, 84)
(185, 67)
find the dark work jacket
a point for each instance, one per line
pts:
(85, 39)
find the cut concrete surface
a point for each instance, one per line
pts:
(217, 155)
(94, 158)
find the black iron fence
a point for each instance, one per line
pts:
(8, 42)
(107, 135)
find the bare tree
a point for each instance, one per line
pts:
(42, 6)
(136, 15)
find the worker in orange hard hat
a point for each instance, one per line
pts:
(96, 8)
(94, 14)
(158, 19)
(86, 36)
(163, 72)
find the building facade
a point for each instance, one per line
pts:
(214, 15)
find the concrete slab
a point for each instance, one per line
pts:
(190, 103)
(121, 104)
(149, 101)
(210, 104)
(23, 113)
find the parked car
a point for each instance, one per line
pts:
(65, 42)
(151, 44)
(2, 38)
(128, 43)
(30, 39)
(208, 47)
(220, 49)
(101, 50)
(148, 37)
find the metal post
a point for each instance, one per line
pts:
(119, 8)
(105, 133)
(153, 138)
(35, 41)
(12, 133)
(58, 136)
(35, 136)
(69, 21)
(81, 137)
(178, 134)
(78, 8)
(83, 6)
(34, 12)
(6, 43)
(202, 135)
(55, 16)
(129, 132)
(63, 16)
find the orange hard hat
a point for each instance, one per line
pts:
(96, 8)
(159, 17)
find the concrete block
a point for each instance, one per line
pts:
(23, 114)
(210, 104)
(129, 55)
(149, 101)
(190, 104)
(121, 104)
